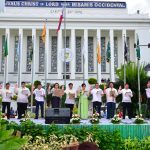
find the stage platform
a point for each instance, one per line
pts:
(127, 128)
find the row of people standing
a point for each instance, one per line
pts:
(97, 94)
(111, 93)
(22, 99)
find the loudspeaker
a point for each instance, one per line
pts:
(57, 116)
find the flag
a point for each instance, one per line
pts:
(44, 33)
(108, 55)
(138, 49)
(5, 48)
(60, 21)
(125, 52)
(98, 53)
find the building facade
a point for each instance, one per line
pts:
(87, 23)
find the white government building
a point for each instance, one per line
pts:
(87, 22)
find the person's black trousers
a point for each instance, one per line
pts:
(148, 104)
(128, 107)
(71, 108)
(111, 107)
(55, 102)
(4, 105)
(97, 107)
(21, 108)
(39, 104)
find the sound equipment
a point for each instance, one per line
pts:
(57, 115)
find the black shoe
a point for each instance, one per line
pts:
(35, 118)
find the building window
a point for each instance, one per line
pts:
(29, 51)
(128, 47)
(54, 54)
(2, 54)
(115, 53)
(67, 63)
(78, 55)
(103, 54)
(90, 55)
(41, 55)
(16, 54)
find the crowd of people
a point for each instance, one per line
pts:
(82, 93)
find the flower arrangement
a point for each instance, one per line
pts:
(75, 118)
(95, 118)
(139, 119)
(116, 119)
(14, 97)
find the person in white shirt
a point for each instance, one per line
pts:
(70, 98)
(148, 95)
(111, 94)
(22, 99)
(97, 94)
(39, 97)
(7, 95)
(126, 100)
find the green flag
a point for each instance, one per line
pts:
(138, 49)
(108, 55)
(5, 47)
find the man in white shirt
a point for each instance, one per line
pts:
(126, 100)
(148, 95)
(22, 99)
(111, 94)
(97, 94)
(6, 99)
(70, 98)
(39, 97)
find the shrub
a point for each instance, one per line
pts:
(36, 83)
(92, 81)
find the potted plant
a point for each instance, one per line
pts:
(116, 119)
(75, 117)
(139, 119)
(95, 118)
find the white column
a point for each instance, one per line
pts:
(73, 50)
(20, 63)
(59, 49)
(99, 65)
(7, 34)
(123, 38)
(112, 72)
(85, 54)
(46, 53)
(34, 50)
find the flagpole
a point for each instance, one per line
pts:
(124, 64)
(83, 70)
(5, 72)
(32, 72)
(65, 43)
(97, 57)
(139, 88)
(45, 66)
(82, 52)
(19, 60)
